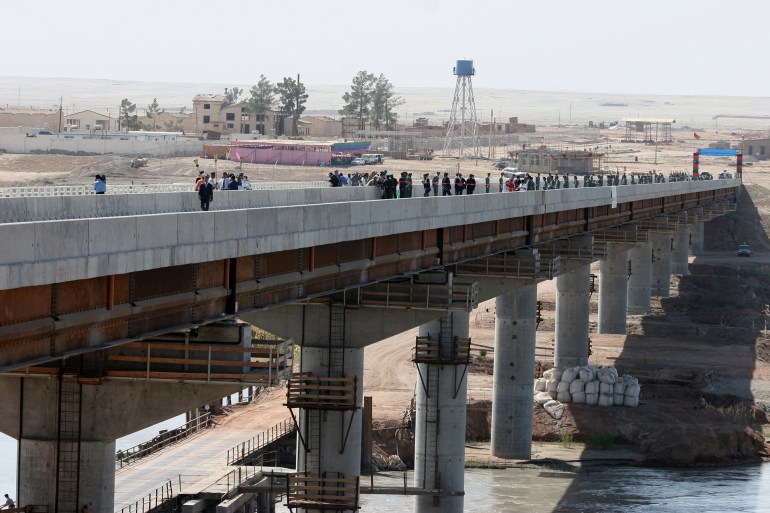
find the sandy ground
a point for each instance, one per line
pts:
(20, 170)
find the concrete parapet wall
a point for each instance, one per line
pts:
(47, 208)
(20, 143)
(64, 250)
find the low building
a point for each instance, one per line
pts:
(30, 119)
(298, 153)
(757, 148)
(514, 127)
(322, 126)
(544, 160)
(212, 113)
(88, 121)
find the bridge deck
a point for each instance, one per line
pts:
(199, 463)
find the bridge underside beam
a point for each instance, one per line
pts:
(49, 322)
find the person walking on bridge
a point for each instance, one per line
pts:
(446, 185)
(470, 184)
(100, 184)
(206, 193)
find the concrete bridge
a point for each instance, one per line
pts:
(119, 311)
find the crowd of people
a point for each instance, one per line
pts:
(402, 187)
(207, 183)
(436, 185)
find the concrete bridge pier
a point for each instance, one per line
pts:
(332, 438)
(613, 289)
(67, 430)
(573, 291)
(661, 265)
(697, 232)
(514, 372)
(680, 263)
(439, 453)
(640, 280)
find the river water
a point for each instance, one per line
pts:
(606, 489)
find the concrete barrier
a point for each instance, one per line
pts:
(64, 250)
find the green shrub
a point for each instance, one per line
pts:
(600, 441)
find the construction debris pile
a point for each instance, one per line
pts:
(586, 385)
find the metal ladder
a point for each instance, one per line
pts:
(429, 478)
(68, 446)
(336, 339)
(313, 449)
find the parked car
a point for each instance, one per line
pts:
(744, 250)
(45, 132)
(358, 161)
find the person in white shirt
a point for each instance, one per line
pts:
(245, 183)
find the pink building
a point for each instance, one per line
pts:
(297, 153)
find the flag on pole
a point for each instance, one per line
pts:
(696, 135)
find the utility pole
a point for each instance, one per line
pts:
(295, 114)
(61, 106)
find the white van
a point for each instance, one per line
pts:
(513, 172)
(373, 158)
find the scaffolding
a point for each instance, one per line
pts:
(655, 130)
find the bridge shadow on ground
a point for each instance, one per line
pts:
(700, 357)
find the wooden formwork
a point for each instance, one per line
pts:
(420, 296)
(428, 350)
(336, 493)
(265, 364)
(508, 265)
(321, 393)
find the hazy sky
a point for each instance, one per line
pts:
(684, 47)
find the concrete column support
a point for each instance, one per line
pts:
(613, 290)
(698, 238)
(572, 309)
(331, 447)
(661, 265)
(439, 455)
(680, 263)
(640, 280)
(93, 416)
(37, 465)
(514, 372)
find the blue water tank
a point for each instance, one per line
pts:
(464, 68)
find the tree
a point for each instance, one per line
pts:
(384, 103)
(292, 98)
(262, 97)
(174, 125)
(359, 99)
(233, 95)
(128, 119)
(151, 111)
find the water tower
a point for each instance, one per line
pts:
(463, 129)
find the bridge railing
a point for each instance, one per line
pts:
(245, 449)
(133, 454)
(416, 295)
(152, 500)
(265, 363)
(87, 190)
